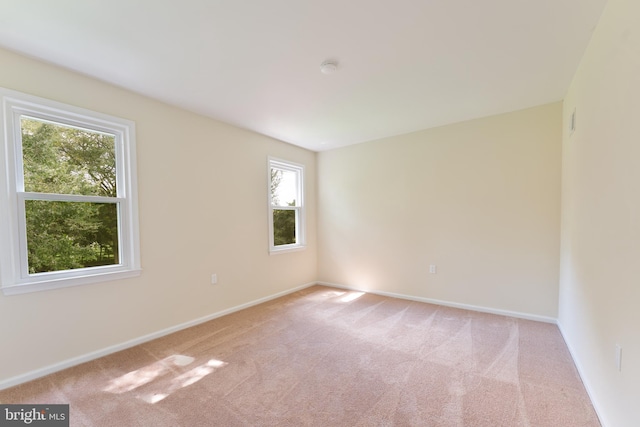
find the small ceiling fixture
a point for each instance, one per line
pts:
(329, 67)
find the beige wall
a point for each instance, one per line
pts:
(479, 199)
(600, 255)
(202, 199)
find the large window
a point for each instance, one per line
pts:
(68, 211)
(286, 206)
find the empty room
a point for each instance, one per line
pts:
(292, 213)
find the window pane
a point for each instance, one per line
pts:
(284, 227)
(70, 235)
(65, 160)
(284, 187)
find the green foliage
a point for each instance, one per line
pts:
(63, 235)
(284, 227)
(284, 220)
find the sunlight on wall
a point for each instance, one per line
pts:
(361, 278)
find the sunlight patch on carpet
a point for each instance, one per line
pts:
(351, 296)
(181, 381)
(142, 376)
(328, 295)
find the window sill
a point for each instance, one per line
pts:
(286, 249)
(46, 285)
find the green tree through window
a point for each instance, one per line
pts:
(285, 205)
(68, 195)
(65, 235)
(284, 221)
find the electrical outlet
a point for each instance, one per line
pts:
(214, 279)
(433, 269)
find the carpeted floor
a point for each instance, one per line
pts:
(329, 357)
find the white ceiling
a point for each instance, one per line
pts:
(404, 65)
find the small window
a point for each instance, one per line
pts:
(69, 207)
(286, 206)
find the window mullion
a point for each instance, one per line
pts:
(68, 197)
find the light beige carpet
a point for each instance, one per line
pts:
(328, 357)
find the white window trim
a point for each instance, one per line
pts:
(14, 277)
(301, 218)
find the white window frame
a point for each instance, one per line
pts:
(14, 273)
(298, 169)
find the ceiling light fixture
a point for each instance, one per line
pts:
(329, 67)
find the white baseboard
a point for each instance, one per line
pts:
(32, 375)
(587, 385)
(500, 312)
